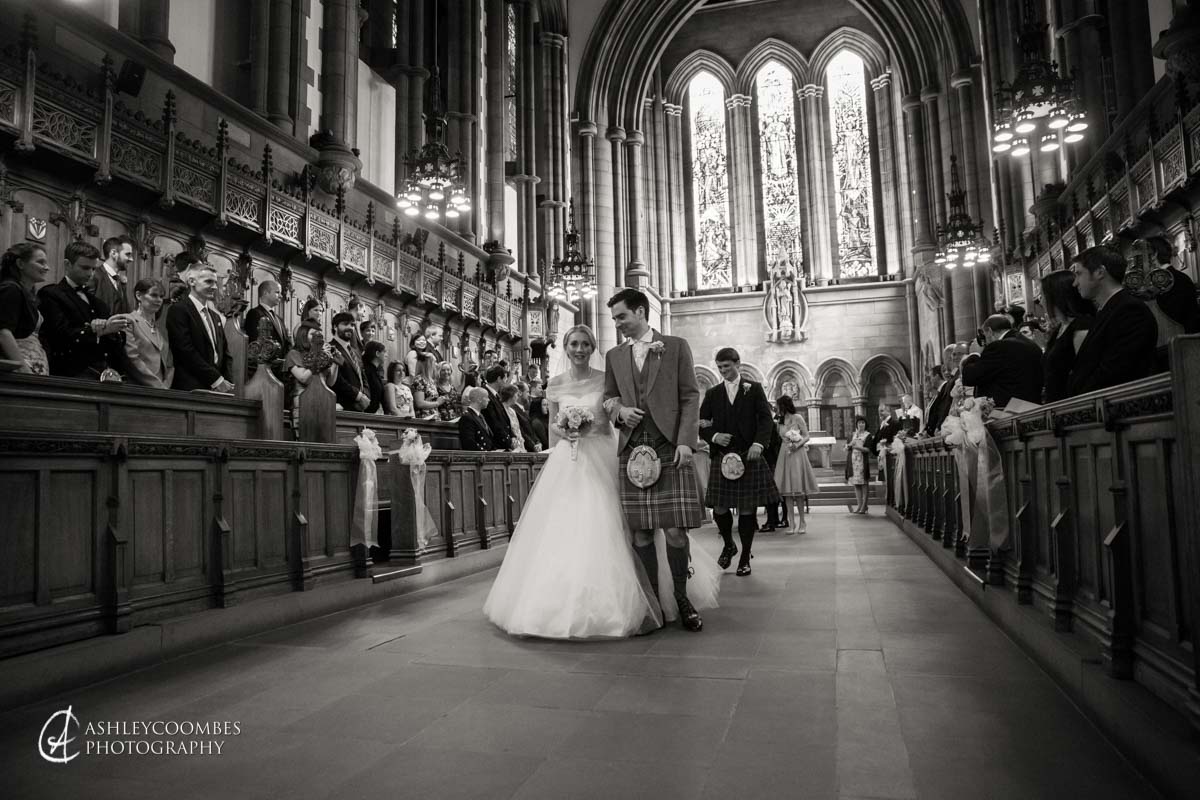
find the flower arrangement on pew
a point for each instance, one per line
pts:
(366, 502)
(412, 450)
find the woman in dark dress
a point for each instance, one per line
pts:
(1070, 317)
(23, 267)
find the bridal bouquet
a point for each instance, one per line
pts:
(575, 419)
(793, 439)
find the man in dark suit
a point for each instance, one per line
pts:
(350, 386)
(1009, 366)
(197, 339)
(474, 433)
(494, 412)
(110, 283)
(264, 317)
(1120, 344)
(532, 445)
(80, 337)
(772, 457)
(741, 424)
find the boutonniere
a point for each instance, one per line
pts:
(745, 387)
(658, 347)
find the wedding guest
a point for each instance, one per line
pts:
(1017, 314)
(939, 409)
(351, 385)
(521, 406)
(197, 338)
(310, 321)
(309, 355)
(539, 423)
(373, 358)
(23, 266)
(397, 397)
(910, 415)
(147, 352)
(110, 283)
(79, 334)
(1070, 319)
(858, 462)
(508, 398)
(474, 432)
(889, 425)
(1009, 366)
(360, 315)
(421, 360)
(771, 455)
(495, 379)
(794, 473)
(366, 333)
(1120, 345)
(265, 317)
(444, 383)
(426, 398)
(470, 378)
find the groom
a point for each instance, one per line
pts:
(650, 392)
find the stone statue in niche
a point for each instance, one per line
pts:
(929, 286)
(785, 307)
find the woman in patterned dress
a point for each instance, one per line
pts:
(793, 471)
(858, 474)
(23, 267)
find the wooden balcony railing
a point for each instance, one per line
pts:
(1104, 513)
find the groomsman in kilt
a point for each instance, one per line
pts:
(736, 422)
(650, 393)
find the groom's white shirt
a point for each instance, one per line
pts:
(641, 348)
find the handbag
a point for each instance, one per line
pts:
(644, 467)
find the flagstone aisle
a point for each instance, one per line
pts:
(846, 666)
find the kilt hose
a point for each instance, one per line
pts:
(755, 488)
(674, 499)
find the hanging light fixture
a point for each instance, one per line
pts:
(434, 188)
(1038, 95)
(572, 277)
(961, 239)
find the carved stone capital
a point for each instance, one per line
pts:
(337, 166)
(615, 133)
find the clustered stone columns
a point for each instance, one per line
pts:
(673, 113)
(889, 187)
(741, 185)
(337, 165)
(979, 289)
(636, 274)
(553, 158)
(461, 83)
(526, 179)
(585, 211)
(497, 35)
(153, 21)
(279, 59)
(820, 189)
(657, 194)
(616, 137)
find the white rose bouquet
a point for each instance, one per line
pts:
(574, 419)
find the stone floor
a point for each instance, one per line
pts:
(846, 666)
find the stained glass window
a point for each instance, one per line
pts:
(777, 154)
(510, 83)
(710, 182)
(846, 77)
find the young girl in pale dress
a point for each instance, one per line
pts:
(793, 471)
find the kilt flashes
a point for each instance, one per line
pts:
(755, 488)
(674, 499)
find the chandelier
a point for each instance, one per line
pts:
(572, 277)
(961, 239)
(1037, 96)
(434, 188)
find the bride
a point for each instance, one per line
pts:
(570, 571)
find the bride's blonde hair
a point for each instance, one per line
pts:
(579, 329)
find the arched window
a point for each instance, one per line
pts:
(851, 138)
(777, 157)
(710, 182)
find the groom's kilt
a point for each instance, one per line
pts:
(755, 488)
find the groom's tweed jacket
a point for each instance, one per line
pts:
(669, 395)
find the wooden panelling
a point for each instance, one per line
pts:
(18, 573)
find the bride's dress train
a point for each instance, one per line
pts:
(570, 571)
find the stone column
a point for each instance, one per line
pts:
(814, 413)
(556, 127)
(889, 186)
(914, 342)
(636, 274)
(963, 83)
(741, 186)
(279, 73)
(819, 192)
(1133, 65)
(616, 136)
(527, 114)
(338, 167)
(662, 214)
(497, 33)
(585, 209)
(260, 50)
(933, 136)
(154, 27)
(676, 193)
(922, 224)
(860, 405)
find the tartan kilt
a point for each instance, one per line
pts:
(755, 488)
(672, 502)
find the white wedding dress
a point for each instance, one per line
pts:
(570, 571)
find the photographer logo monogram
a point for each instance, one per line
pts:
(64, 738)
